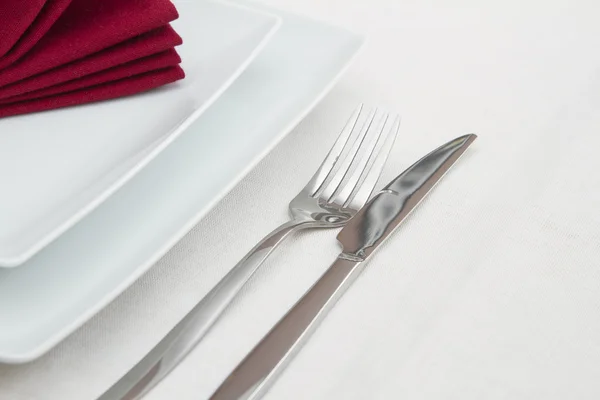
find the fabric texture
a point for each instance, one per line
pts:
(153, 42)
(87, 27)
(154, 62)
(16, 17)
(34, 31)
(111, 90)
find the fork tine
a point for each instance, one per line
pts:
(342, 196)
(374, 172)
(334, 154)
(338, 177)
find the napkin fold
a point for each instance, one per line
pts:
(16, 17)
(112, 90)
(155, 41)
(62, 53)
(154, 62)
(87, 27)
(23, 23)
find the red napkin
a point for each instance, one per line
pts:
(155, 41)
(86, 27)
(154, 62)
(16, 17)
(111, 90)
(23, 23)
(33, 30)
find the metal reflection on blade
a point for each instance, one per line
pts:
(373, 224)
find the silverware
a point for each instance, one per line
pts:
(359, 239)
(340, 187)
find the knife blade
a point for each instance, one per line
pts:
(361, 236)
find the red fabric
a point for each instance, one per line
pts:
(87, 27)
(151, 63)
(16, 17)
(155, 41)
(17, 23)
(112, 90)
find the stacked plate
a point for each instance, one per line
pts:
(93, 195)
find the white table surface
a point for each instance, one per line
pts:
(491, 290)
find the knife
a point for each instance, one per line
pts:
(361, 236)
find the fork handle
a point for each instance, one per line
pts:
(177, 344)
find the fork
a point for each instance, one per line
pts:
(340, 187)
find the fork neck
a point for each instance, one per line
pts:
(281, 232)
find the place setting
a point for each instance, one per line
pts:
(125, 124)
(94, 102)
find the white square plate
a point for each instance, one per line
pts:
(58, 290)
(57, 166)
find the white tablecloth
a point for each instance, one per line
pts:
(491, 290)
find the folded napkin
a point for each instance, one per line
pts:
(107, 91)
(61, 53)
(155, 41)
(154, 62)
(23, 23)
(86, 27)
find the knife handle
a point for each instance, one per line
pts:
(255, 374)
